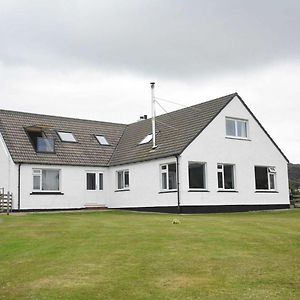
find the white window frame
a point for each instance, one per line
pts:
(223, 176)
(38, 172)
(205, 175)
(60, 134)
(104, 141)
(124, 187)
(271, 171)
(166, 171)
(236, 120)
(97, 181)
(146, 139)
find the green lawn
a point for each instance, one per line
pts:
(123, 255)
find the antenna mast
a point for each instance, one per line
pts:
(153, 115)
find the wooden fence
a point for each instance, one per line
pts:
(5, 201)
(296, 200)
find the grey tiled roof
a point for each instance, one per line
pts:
(87, 151)
(175, 131)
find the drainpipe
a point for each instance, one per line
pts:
(177, 179)
(19, 186)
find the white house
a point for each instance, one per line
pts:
(213, 156)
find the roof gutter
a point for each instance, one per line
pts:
(177, 179)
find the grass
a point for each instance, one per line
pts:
(123, 255)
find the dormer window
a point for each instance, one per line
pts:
(102, 140)
(146, 139)
(39, 140)
(66, 137)
(237, 128)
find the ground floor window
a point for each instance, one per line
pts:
(197, 176)
(265, 178)
(122, 179)
(46, 179)
(168, 176)
(94, 181)
(225, 176)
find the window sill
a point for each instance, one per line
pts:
(228, 191)
(167, 191)
(122, 190)
(46, 193)
(266, 191)
(237, 138)
(198, 191)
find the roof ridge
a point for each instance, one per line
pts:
(189, 107)
(59, 117)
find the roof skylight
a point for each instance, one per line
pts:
(66, 136)
(102, 140)
(146, 139)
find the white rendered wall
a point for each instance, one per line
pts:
(8, 172)
(144, 186)
(212, 147)
(73, 187)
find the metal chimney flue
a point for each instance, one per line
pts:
(152, 84)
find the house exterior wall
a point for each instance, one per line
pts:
(144, 186)
(73, 188)
(8, 172)
(212, 147)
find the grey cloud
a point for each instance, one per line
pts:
(165, 38)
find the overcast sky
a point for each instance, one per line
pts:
(95, 59)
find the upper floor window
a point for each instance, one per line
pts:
(122, 179)
(225, 176)
(168, 176)
(102, 140)
(197, 175)
(66, 136)
(237, 128)
(40, 142)
(146, 139)
(265, 178)
(46, 179)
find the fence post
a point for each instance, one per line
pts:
(7, 203)
(1, 199)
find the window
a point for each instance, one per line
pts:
(46, 179)
(122, 179)
(146, 139)
(225, 176)
(102, 140)
(197, 175)
(94, 181)
(66, 137)
(237, 128)
(265, 178)
(168, 176)
(40, 142)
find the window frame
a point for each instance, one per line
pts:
(123, 173)
(147, 139)
(166, 171)
(38, 172)
(68, 132)
(236, 120)
(204, 164)
(103, 136)
(223, 188)
(269, 174)
(99, 185)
